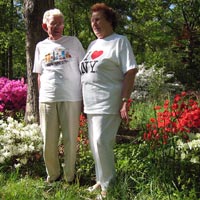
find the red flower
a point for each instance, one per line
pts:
(177, 98)
(157, 107)
(182, 117)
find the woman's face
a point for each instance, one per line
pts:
(54, 27)
(100, 25)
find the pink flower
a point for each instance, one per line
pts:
(12, 95)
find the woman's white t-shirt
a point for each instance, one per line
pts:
(102, 73)
(58, 63)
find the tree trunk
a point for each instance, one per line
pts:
(33, 13)
(10, 62)
(10, 49)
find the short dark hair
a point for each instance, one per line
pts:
(110, 14)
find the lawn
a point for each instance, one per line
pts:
(157, 156)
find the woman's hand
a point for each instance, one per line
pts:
(124, 111)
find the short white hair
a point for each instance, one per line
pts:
(50, 13)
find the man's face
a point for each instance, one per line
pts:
(55, 27)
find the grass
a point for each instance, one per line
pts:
(142, 173)
(23, 188)
(138, 178)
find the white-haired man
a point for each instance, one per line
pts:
(56, 63)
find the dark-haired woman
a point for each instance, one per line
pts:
(107, 75)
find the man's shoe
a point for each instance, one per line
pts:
(56, 180)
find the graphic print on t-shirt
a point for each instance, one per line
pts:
(89, 62)
(57, 56)
(96, 54)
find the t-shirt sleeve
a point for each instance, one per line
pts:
(37, 65)
(127, 58)
(80, 49)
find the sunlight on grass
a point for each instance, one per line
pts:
(144, 172)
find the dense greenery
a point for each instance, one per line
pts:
(157, 153)
(168, 171)
(165, 37)
(12, 43)
(163, 33)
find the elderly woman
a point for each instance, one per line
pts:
(107, 75)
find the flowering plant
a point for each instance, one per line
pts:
(83, 129)
(154, 82)
(12, 95)
(189, 151)
(19, 142)
(176, 119)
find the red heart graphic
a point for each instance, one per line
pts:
(96, 54)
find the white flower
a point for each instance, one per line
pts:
(10, 120)
(2, 159)
(30, 118)
(23, 161)
(18, 165)
(6, 154)
(183, 155)
(31, 147)
(198, 135)
(18, 139)
(194, 160)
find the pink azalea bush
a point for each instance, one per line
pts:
(12, 95)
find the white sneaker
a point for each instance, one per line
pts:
(101, 196)
(94, 187)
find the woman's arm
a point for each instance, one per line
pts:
(127, 88)
(38, 80)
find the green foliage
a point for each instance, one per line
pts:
(140, 113)
(12, 42)
(85, 163)
(142, 173)
(77, 20)
(162, 33)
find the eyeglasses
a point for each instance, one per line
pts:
(57, 25)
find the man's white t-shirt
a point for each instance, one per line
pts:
(102, 73)
(58, 63)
